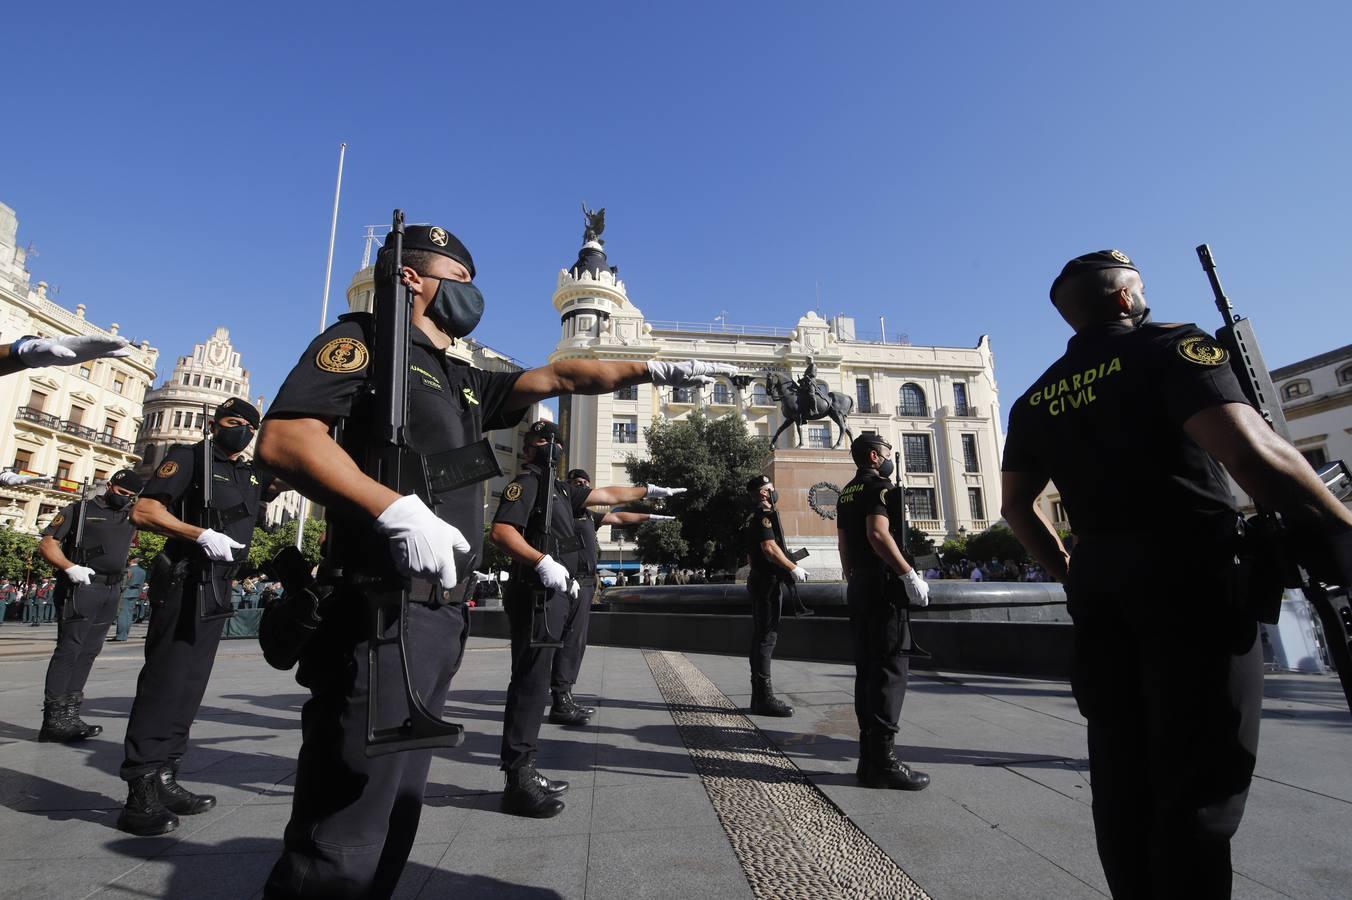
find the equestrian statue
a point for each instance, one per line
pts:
(806, 399)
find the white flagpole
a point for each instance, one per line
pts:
(324, 310)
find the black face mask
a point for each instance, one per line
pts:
(542, 456)
(117, 501)
(234, 438)
(887, 467)
(456, 307)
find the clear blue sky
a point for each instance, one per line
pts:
(933, 163)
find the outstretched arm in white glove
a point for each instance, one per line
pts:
(688, 372)
(14, 479)
(423, 546)
(69, 349)
(657, 492)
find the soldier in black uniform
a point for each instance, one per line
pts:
(86, 596)
(770, 564)
(354, 818)
(1130, 423)
(878, 620)
(189, 587)
(564, 709)
(518, 528)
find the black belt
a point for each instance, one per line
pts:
(108, 580)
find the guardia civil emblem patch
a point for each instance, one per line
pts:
(438, 236)
(513, 492)
(342, 355)
(1202, 350)
(1119, 256)
(169, 467)
(58, 519)
(765, 522)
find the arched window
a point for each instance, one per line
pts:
(913, 400)
(1296, 389)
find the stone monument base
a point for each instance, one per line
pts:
(809, 480)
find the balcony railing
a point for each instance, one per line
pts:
(66, 426)
(913, 412)
(871, 409)
(930, 525)
(79, 431)
(625, 436)
(38, 417)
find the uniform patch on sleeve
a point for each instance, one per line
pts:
(1203, 351)
(168, 468)
(513, 492)
(342, 355)
(765, 522)
(58, 519)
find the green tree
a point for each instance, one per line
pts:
(996, 542)
(494, 557)
(713, 458)
(953, 550)
(19, 557)
(918, 543)
(660, 543)
(148, 545)
(266, 544)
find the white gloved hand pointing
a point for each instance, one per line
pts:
(688, 373)
(553, 575)
(423, 546)
(799, 574)
(916, 588)
(70, 349)
(657, 492)
(14, 479)
(654, 517)
(218, 547)
(79, 574)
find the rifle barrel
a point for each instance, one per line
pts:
(1227, 311)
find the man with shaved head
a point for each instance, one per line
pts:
(1131, 424)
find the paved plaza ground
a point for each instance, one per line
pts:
(1006, 816)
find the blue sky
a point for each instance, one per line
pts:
(933, 163)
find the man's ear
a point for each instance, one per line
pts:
(1124, 301)
(411, 279)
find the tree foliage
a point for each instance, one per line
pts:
(19, 557)
(713, 458)
(267, 544)
(996, 542)
(147, 545)
(661, 543)
(494, 557)
(918, 543)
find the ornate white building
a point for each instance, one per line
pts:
(76, 423)
(938, 406)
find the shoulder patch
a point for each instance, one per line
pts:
(513, 492)
(58, 519)
(1203, 351)
(166, 469)
(342, 355)
(882, 496)
(765, 522)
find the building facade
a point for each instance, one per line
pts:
(1316, 398)
(938, 406)
(75, 423)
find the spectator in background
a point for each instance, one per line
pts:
(45, 601)
(7, 595)
(133, 582)
(977, 574)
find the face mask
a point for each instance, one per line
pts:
(233, 439)
(773, 497)
(456, 307)
(887, 467)
(542, 455)
(116, 501)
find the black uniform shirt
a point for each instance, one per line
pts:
(450, 405)
(585, 525)
(759, 527)
(864, 496)
(236, 495)
(1105, 423)
(517, 507)
(107, 537)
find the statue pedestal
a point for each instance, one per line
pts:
(809, 480)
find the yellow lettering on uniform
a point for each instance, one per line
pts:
(1035, 399)
(1114, 366)
(1048, 392)
(1075, 382)
(1055, 407)
(1089, 375)
(1091, 395)
(1062, 387)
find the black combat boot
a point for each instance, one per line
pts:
(884, 771)
(58, 722)
(144, 814)
(178, 799)
(529, 793)
(763, 699)
(74, 701)
(565, 711)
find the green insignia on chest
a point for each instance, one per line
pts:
(469, 395)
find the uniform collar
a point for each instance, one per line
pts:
(420, 338)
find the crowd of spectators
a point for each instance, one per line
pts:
(992, 570)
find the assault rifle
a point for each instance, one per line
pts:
(795, 556)
(540, 635)
(218, 608)
(77, 555)
(893, 588)
(1279, 567)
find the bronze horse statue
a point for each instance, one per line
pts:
(799, 406)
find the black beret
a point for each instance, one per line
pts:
(435, 239)
(757, 483)
(577, 473)
(237, 406)
(1093, 262)
(545, 429)
(127, 480)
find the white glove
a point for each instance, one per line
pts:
(916, 588)
(70, 349)
(552, 574)
(422, 545)
(219, 547)
(688, 373)
(14, 479)
(657, 492)
(479, 577)
(654, 517)
(79, 574)
(799, 574)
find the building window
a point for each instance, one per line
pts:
(862, 395)
(119, 385)
(960, 407)
(148, 454)
(23, 461)
(913, 401)
(920, 503)
(77, 415)
(975, 503)
(87, 371)
(185, 378)
(63, 467)
(818, 436)
(36, 399)
(759, 396)
(197, 381)
(100, 475)
(110, 427)
(1345, 375)
(683, 395)
(216, 384)
(629, 392)
(969, 460)
(915, 448)
(1296, 389)
(722, 393)
(178, 418)
(1315, 456)
(197, 422)
(624, 431)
